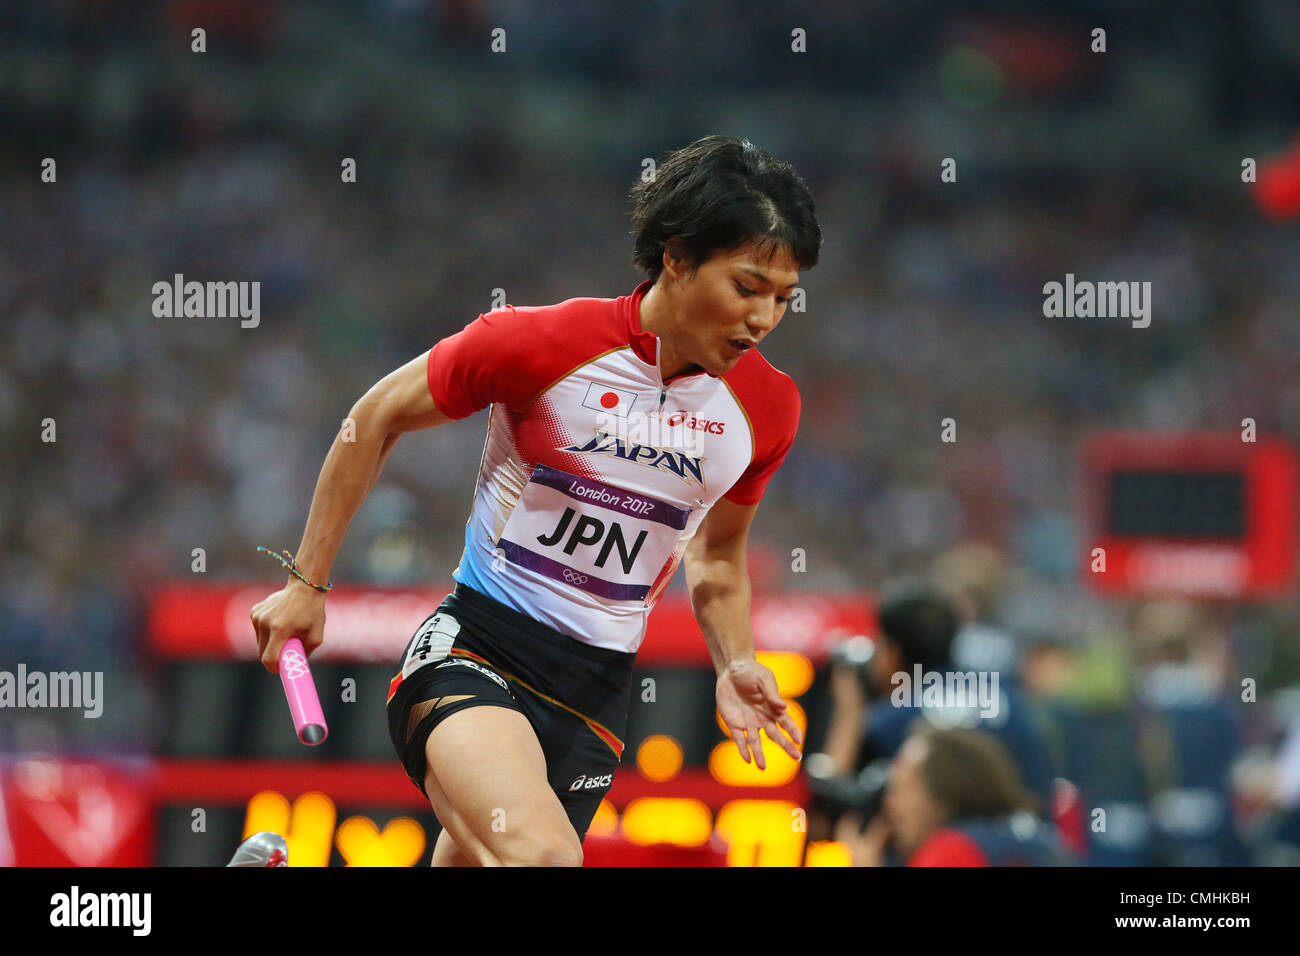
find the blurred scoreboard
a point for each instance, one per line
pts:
(1198, 514)
(230, 756)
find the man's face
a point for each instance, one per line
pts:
(733, 300)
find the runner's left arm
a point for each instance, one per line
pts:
(717, 577)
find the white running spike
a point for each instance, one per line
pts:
(262, 849)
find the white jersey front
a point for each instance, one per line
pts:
(596, 473)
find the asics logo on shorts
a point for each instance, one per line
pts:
(461, 662)
(591, 783)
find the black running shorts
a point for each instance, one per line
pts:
(474, 651)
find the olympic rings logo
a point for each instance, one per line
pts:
(573, 577)
(295, 665)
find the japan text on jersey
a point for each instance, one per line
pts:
(595, 472)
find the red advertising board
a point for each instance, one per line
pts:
(374, 624)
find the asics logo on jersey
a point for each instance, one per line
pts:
(591, 783)
(689, 468)
(680, 417)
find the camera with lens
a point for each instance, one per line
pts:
(855, 654)
(834, 795)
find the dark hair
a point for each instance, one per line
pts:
(921, 620)
(718, 194)
(970, 773)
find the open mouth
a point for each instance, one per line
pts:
(740, 345)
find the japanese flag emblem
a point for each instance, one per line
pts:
(604, 398)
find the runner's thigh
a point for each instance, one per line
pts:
(486, 778)
(579, 765)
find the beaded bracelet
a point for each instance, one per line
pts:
(293, 568)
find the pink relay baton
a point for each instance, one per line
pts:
(300, 690)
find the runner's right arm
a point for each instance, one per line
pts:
(400, 402)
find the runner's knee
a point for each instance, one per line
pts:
(541, 847)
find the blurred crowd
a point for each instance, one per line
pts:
(476, 174)
(1134, 747)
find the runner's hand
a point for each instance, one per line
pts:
(295, 610)
(748, 702)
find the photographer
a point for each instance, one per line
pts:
(918, 624)
(953, 799)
